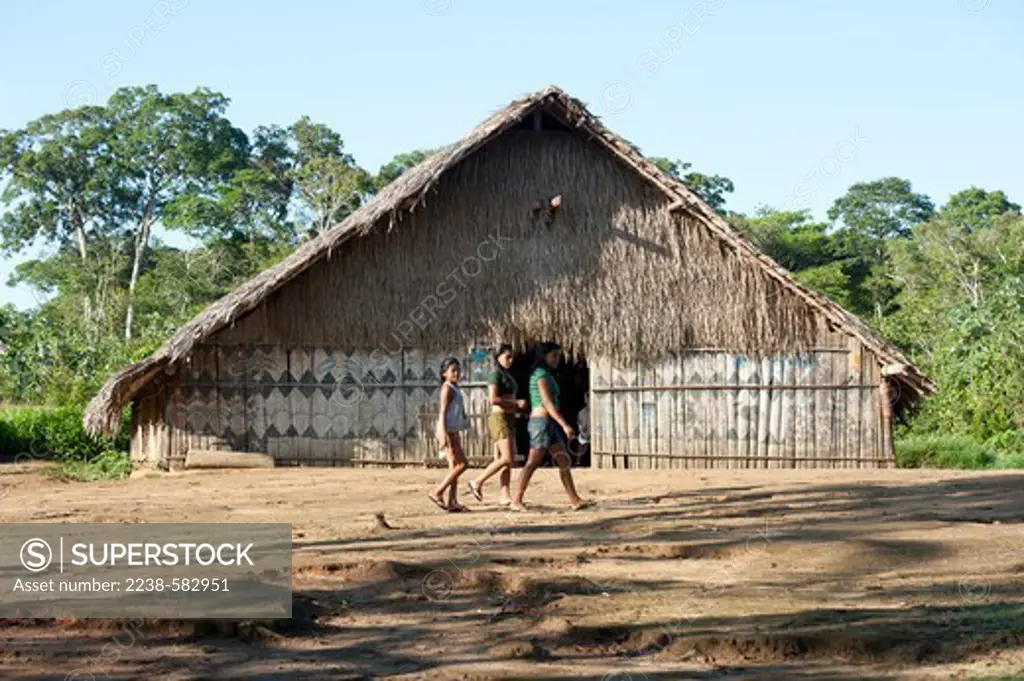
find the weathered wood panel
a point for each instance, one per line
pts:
(817, 409)
(700, 409)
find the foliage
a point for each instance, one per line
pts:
(711, 188)
(328, 179)
(870, 216)
(52, 434)
(92, 184)
(390, 171)
(109, 465)
(961, 313)
(943, 452)
(805, 248)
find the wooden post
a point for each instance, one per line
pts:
(888, 451)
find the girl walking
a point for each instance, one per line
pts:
(549, 431)
(452, 422)
(501, 424)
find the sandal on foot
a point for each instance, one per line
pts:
(458, 508)
(475, 491)
(438, 502)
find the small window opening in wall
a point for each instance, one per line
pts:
(542, 120)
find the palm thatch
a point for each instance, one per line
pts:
(790, 315)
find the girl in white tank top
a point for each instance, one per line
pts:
(451, 423)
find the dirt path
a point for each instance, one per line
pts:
(676, 574)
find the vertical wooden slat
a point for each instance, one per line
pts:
(743, 411)
(776, 438)
(885, 398)
(786, 415)
(853, 404)
(704, 399)
(822, 410)
(729, 407)
(613, 420)
(867, 419)
(840, 367)
(763, 412)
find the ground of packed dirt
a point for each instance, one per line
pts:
(759, 574)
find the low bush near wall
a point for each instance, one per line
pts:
(957, 452)
(57, 435)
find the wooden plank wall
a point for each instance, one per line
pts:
(317, 406)
(149, 439)
(714, 409)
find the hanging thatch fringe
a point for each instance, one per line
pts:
(730, 294)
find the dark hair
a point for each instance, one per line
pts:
(548, 347)
(502, 349)
(543, 350)
(446, 364)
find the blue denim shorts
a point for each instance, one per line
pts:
(544, 432)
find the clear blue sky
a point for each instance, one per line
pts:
(760, 91)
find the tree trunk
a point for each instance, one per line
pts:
(141, 243)
(75, 217)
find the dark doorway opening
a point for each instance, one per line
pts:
(573, 378)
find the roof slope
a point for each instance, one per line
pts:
(410, 189)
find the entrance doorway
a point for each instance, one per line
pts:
(573, 378)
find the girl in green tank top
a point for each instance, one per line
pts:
(539, 374)
(548, 429)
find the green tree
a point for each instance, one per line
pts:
(390, 171)
(55, 173)
(166, 147)
(960, 312)
(803, 247)
(330, 185)
(870, 216)
(973, 208)
(711, 188)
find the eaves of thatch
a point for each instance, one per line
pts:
(411, 188)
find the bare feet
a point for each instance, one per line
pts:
(581, 504)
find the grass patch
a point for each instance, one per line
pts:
(949, 452)
(110, 465)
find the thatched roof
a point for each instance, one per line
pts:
(411, 189)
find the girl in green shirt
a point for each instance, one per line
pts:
(501, 424)
(549, 431)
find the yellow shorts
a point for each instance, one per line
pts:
(500, 426)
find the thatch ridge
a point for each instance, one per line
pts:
(411, 189)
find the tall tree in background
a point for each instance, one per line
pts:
(974, 208)
(166, 147)
(330, 185)
(711, 188)
(869, 216)
(56, 171)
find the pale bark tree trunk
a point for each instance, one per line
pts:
(75, 217)
(141, 244)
